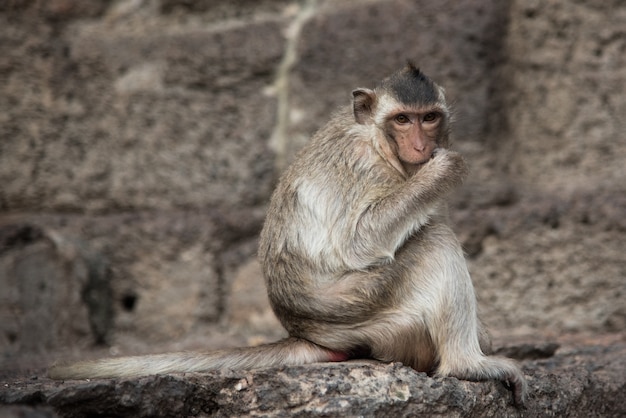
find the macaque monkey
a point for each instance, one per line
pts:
(357, 254)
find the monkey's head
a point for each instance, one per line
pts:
(410, 110)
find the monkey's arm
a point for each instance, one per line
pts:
(390, 220)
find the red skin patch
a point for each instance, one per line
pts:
(337, 356)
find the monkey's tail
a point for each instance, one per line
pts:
(290, 351)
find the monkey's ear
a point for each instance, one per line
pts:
(363, 101)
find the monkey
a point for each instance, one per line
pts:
(357, 253)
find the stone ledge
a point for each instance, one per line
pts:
(581, 381)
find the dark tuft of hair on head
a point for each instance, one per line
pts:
(410, 86)
(412, 68)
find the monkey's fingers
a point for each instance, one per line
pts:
(518, 386)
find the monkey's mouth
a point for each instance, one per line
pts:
(414, 167)
(416, 164)
(427, 157)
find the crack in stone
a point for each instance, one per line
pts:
(279, 140)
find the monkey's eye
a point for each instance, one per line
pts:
(402, 119)
(431, 117)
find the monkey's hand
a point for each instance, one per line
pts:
(448, 167)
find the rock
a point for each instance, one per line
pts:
(586, 381)
(45, 276)
(136, 119)
(560, 66)
(152, 275)
(249, 307)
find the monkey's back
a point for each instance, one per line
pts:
(315, 211)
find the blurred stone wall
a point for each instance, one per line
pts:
(140, 141)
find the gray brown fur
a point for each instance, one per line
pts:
(357, 253)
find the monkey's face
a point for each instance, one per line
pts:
(414, 134)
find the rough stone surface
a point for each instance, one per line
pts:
(249, 309)
(140, 141)
(569, 95)
(586, 381)
(46, 276)
(121, 118)
(163, 279)
(560, 259)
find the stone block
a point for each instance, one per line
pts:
(122, 118)
(56, 291)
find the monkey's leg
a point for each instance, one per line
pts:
(458, 339)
